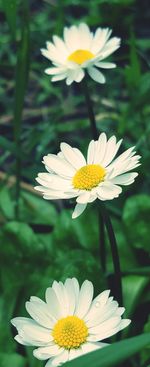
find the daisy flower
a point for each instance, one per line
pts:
(79, 51)
(69, 324)
(97, 177)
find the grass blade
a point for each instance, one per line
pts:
(113, 354)
(10, 9)
(22, 69)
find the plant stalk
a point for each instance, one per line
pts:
(103, 215)
(95, 137)
(115, 254)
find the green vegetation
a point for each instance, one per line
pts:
(39, 240)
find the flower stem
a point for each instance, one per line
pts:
(104, 218)
(102, 251)
(95, 136)
(90, 109)
(115, 254)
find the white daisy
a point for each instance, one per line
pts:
(69, 323)
(80, 50)
(99, 177)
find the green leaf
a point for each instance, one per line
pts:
(133, 287)
(18, 240)
(80, 234)
(6, 203)
(126, 253)
(146, 352)
(12, 359)
(7, 144)
(34, 209)
(113, 354)
(10, 9)
(136, 216)
(133, 71)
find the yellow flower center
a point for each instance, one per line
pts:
(80, 56)
(88, 177)
(70, 332)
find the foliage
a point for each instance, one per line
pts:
(39, 240)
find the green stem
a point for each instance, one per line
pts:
(105, 220)
(115, 254)
(90, 109)
(95, 136)
(20, 88)
(102, 251)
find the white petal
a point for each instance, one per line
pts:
(98, 303)
(111, 150)
(96, 75)
(108, 191)
(47, 352)
(49, 363)
(111, 46)
(107, 332)
(76, 288)
(80, 75)
(79, 209)
(19, 321)
(103, 313)
(51, 194)
(30, 333)
(100, 38)
(71, 156)
(40, 313)
(84, 197)
(61, 47)
(21, 341)
(109, 324)
(125, 179)
(71, 37)
(85, 36)
(74, 75)
(54, 182)
(75, 353)
(51, 53)
(53, 303)
(59, 165)
(90, 347)
(100, 149)
(91, 152)
(55, 70)
(80, 156)
(59, 77)
(69, 285)
(62, 358)
(37, 299)
(105, 65)
(36, 334)
(120, 311)
(85, 299)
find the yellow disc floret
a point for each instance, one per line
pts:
(88, 177)
(80, 56)
(70, 332)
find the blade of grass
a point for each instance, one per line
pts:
(22, 69)
(113, 354)
(10, 10)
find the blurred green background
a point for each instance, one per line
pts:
(39, 240)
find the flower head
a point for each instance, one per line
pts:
(99, 177)
(69, 323)
(79, 51)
